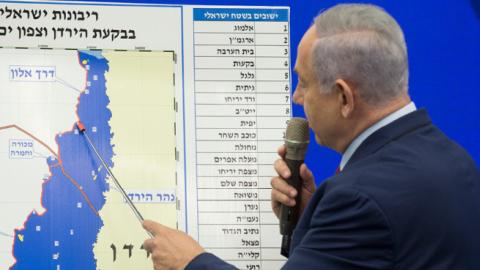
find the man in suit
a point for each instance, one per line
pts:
(405, 196)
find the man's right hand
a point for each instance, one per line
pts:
(283, 193)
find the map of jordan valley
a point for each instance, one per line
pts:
(59, 207)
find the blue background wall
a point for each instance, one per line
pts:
(443, 39)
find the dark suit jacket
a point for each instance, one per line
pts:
(409, 198)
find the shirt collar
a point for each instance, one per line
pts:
(410, 107)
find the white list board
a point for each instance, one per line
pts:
(242, 103)
(187, 111)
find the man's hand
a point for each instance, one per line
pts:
(283, 193)
(170, 249)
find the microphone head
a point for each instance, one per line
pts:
(296, 138)
(297, 130)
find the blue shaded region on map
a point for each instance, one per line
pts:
(63, 237)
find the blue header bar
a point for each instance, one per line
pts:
(237, 14)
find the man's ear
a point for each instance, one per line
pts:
(346, 97)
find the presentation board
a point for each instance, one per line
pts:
(187, 106)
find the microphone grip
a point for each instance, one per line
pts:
(289, 215)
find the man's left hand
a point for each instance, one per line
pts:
(170, 249)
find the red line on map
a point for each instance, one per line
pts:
(31, 136)
(73, 181)
(80, 189)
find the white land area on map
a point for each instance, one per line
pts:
(141, 92)
(38, 94)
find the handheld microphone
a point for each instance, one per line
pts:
(296, 143)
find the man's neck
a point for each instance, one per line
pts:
(367, 116)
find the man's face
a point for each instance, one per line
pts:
(320, 108)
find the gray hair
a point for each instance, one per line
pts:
(365, 46)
